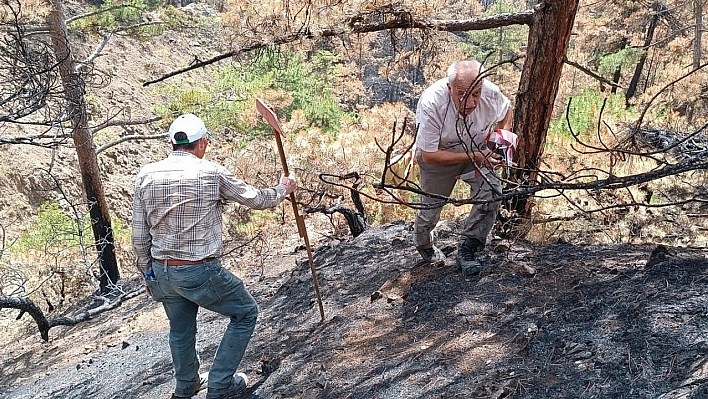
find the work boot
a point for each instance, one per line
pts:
(432, 254)
(467, 257)
(238, 386)
(203, 381)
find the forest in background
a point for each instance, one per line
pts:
(342, 101)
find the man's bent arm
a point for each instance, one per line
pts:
(141, 239)
(506, 122)
(235, 189)
(444, 157)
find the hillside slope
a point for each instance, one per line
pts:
(557, 321)
(543, 321)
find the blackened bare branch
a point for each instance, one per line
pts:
(362, 23)
(356, 223)
(25, 305)
(592, 74)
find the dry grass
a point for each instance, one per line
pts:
(29, 11)
(672, 225)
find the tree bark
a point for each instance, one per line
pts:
(549, 37)
(74, 89)
(698, 10)
(632, 89)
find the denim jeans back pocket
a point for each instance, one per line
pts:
(203, 295)
(155, 290)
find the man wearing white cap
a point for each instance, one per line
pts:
(454, 116)
(177, 211)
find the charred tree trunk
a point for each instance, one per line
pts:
(618, 71)
(549, 36)
(74, 89)
(616, 78)
(356, 220)
(698, 10)
(632, 89)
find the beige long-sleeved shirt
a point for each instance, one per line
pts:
(178, 205)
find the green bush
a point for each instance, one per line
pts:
(224, 104)
(121, 230)
(125, 13)
(585, 113)
(53, 233)
(496, 44)
(286, 77)
(623, 59)
(309, 83)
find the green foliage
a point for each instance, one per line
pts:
(310, 85)
(246, 223)
(121, 230)
(623, 59)
(289, 80)
(584, 113)
(499, 43)
(119, 14)
(54, 231)
(187, 100)
(218, 107)
(655, 199)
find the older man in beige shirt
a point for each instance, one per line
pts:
(454, 116)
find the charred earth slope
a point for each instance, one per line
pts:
(556, 321)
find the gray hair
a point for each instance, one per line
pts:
(452, 71)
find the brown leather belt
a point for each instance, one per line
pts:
(180, 262)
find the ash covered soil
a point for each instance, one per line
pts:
(551, 321)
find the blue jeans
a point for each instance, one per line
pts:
(182, 290)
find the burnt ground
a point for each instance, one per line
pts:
(552, 321)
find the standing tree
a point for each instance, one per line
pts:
(634, 83)
(552, 23)
(45, 86)
(42, 96)
(698, 29)
(74, 90)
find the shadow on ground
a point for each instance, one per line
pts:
(556, 321)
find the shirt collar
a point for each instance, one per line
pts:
(182, 154)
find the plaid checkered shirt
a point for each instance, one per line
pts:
(178, 205)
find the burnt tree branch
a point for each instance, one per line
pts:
(356, 220)
(592, 74)
(393, 19)
(44, 324)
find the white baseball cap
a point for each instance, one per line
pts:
(190, 125)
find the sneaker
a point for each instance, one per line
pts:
(467, 259)
(432, 254)
(203, 381)
(238, 386)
